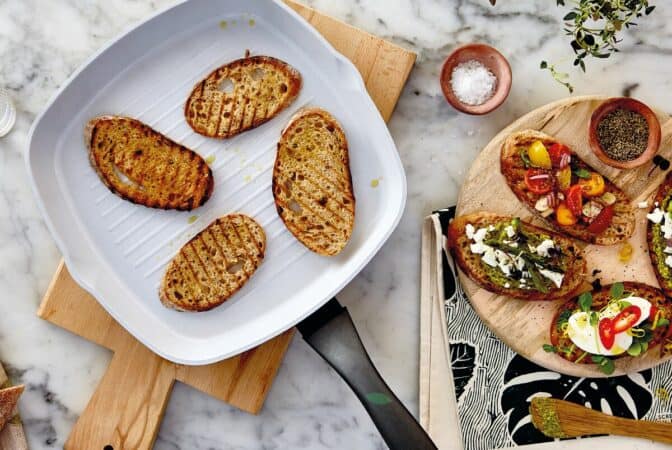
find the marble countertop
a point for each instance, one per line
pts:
(43, 41)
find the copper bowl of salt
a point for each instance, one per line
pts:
(467, 79)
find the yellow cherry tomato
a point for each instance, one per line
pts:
(564, 215)
(593, 186)
(539, 156)
(564, 177)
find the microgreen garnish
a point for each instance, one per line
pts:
(586, 301)
(616, 291)
(606, 364)
(548, 348)
(582, 173)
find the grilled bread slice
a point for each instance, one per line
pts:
(566, 349)
(143, 166)
(312, 185)
(241, 95)
(214, 264)
(9, 397)
(566, 254)
(514, 170)
(656, 240)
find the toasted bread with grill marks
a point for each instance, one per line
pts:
(241, 95)
(513, 169)
(601, 298)
(312, 185)
(214, 264)
(145, 167)
(472, 265)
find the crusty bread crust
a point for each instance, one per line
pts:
(312, 183)
(214, 264)
(513, 169)
(664, 190)
(9, 397)
(470, 264)
(145, 167)
(600, 299)
(262, 86)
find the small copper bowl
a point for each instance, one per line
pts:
(490, 58)
(631, 105)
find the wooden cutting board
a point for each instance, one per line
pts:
(524, 326)
(126, 410)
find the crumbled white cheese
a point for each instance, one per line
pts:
(504, 261)
(666, 227)
(479, 248)
(470, 230)
(542, 249)
(480, 234)
(514, 245)
(510, 232)
(520, 263)
(655, 216)
(555, 277)
(489, 257)
(668, 261)
(667, 250)
(491, 228)
(643, 205)
(507, 285)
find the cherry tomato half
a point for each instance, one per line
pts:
(564, 216)
(602, 221)
(607, 335)
(574, 199)
(556, 152)
(538, 181)
(626, 319)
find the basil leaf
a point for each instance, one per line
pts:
(549, 348)
(594, 319)
(616, 291)
(586, 301)
(582, 173)
(662, 322)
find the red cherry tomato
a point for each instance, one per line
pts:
(560, 155)
(626, 319)
(653, 312)
(602, 221)
(607, 335)
(574, 199)
(538, 181)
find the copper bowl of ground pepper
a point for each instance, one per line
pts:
(624, 133)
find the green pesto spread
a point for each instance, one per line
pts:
(659, 243)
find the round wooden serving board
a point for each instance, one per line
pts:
(522, 325)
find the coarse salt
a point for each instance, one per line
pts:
(472, 82)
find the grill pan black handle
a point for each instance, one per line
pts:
(331, 333)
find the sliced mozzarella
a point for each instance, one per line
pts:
(586, 337)
(555, 277)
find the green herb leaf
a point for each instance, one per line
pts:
(378, 398)
(525, 157)
(549, 348)
(606, 364)
(622, 304)
(616, 291)
(586, 301)
(635, 349)
(662, 322)
(594, 319)
(582, 173)
(543, 65)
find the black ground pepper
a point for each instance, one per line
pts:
(623, 134)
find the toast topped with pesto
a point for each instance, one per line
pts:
(508, 256)
(559, 187)
(620, 320)
(659, 235)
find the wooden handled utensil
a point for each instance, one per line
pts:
(561, 419)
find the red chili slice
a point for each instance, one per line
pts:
(538, 181)
(602, 221)
(626, 319)
(607, 335)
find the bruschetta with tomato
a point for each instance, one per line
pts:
(620, 320)
(567, 193)
(508, 256)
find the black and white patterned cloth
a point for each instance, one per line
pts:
(494, 385)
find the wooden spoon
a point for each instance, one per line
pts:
(561, 419)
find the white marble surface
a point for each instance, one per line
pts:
(43, 41)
